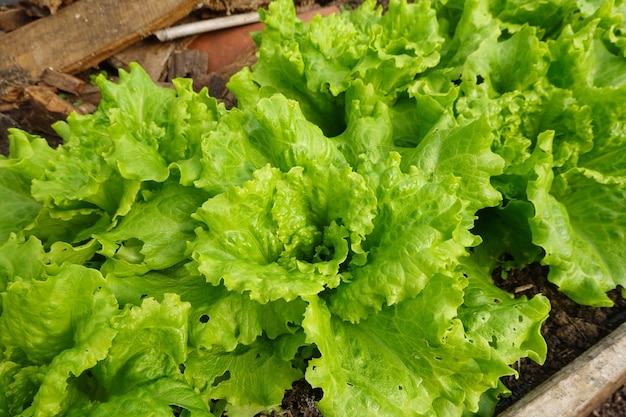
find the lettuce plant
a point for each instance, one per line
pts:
(341, 224)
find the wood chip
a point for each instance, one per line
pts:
(523, 288)
(48, 99)
(188, 64)
(153, 57)
(12, 94)
(47, 107)
(62, 81)
(12, 19)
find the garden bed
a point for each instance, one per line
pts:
(570, 330)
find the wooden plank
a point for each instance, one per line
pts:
(84, 34)
(580, 387)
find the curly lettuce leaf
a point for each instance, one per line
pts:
(510, 326)
(464, 152)
(274, 131)
(241, 376)
(314, 63)
(580, 223)
(609, 129)
(233, 319)
(20, 260)
(155, 231)
(19, 208)
(409, 359)
(150, 343)
(283, 70)
(227, 155)
(29, 155)
(334, 210)
(81, 177)
(155, 399)
(136, 127)
(419, 231)
(279, 129)
(190, 118)
(40, 314)
(70, 335)
(67, 383)
(20, 384)
(283, 235)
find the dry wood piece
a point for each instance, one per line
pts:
(47, 107)
(91, 94)
(12, 19)
(582, 385)
(63, 81)
(12, 94)
(235, 5)
(153, 57)
(93, 30)
(187, 64)
(46, 98)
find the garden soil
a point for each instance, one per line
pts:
(569, 331)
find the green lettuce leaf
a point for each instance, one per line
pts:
(409, 359)
(29, 155)
(136, 127)
(150, 343)
(68, 382)
(419, 231)
(70, 335)
(241, 376)
(314, 63)
(227, 155)
(282, 235)
(20, 260)
(174, 257)
(460, 151)
(155, 231)
(233, 319)
(20, 384)
(163, 397)
(510, 326)
(570, 223)
(19, 208)
(581, 227)
(42, 330)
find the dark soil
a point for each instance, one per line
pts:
(570, 330)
